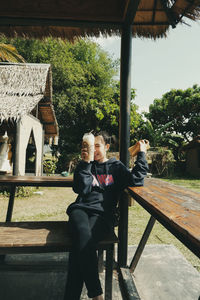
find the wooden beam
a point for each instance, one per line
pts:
(154, 10)
(48, 123)
(169, 14)
(67, 23)
(122, 252)
(48, 104)
(130, 11)
(129, 290)
(9, 21)
(151, 23)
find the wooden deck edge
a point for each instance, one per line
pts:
(129, 290)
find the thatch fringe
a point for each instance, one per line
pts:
(69, 33)
(13, 108)
(150, 31)
(152, 19)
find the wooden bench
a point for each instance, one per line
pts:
(46, 236)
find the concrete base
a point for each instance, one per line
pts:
(40, 277)
(31, 277)
(164, 274)
(161, 274)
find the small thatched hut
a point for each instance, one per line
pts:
(26, 113)
(193, 156)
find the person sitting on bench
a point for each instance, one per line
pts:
(98, 184)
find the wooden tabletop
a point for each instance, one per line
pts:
(54, 181)
(176, 208)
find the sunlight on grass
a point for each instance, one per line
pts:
(193, 184)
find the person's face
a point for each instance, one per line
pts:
(100, 149)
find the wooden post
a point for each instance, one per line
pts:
(125, 93)
(15, 172)
(124, 130)
(123, 231)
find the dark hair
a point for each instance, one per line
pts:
(105, 136)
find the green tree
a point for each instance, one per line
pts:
(158, 137)
(180, 109)
(85, 93)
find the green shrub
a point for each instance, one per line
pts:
(21, 191)
(68, 162)
(49, 166)
(163, 162)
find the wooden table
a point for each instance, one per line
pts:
(48, 181)
(56, 181)
(176, 208)
(49, 236)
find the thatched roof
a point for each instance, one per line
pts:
(195, 143)
(25, 88)
(72, 18)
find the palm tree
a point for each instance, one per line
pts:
(10, 54)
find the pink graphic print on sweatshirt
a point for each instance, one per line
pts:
(104, 180)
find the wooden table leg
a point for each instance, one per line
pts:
(142, 244)
(9, 212)
(11, 203)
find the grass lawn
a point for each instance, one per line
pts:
(189, 183)
(54, 201)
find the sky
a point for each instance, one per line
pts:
(161, 65)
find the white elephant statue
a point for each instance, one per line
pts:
(5, 155)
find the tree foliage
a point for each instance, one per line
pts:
(180, 109)
(85, 91)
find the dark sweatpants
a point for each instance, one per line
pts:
(87, 229)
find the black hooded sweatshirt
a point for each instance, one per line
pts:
(98, 185)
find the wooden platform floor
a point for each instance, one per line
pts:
(162, 274)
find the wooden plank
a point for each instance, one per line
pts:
(107, 24)
(129, 289)
(174, 207)
(40, 234)
(130, 11)
(51, 181)
(142, 244)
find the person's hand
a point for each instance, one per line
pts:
(144, 145)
